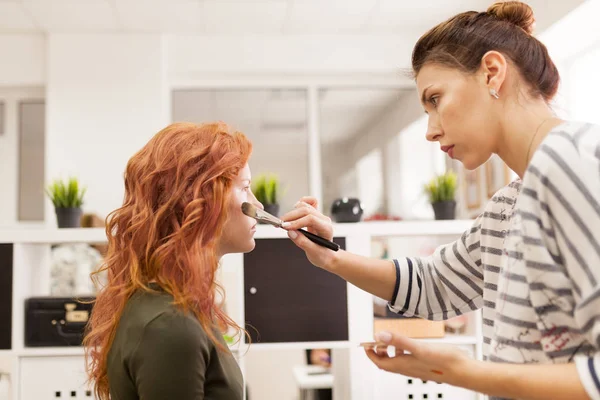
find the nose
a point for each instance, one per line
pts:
(256, 202)
(434, 131)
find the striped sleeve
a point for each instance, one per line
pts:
(565, 183)
(444, 285)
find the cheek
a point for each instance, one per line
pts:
(461, 117)
(237, 219)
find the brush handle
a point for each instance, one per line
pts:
(320, 241)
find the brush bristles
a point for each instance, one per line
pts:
(249, 209)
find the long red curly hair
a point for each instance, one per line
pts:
(176, 200)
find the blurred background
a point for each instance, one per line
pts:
(321, 87)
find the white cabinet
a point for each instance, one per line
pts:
(52, 378)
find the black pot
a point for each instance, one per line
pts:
(68, 217)
(444, 209)
(346, 210)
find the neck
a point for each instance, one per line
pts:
(524, 128)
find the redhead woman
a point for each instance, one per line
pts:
(154, 332)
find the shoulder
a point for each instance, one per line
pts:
(151, 318)
(567, 159)
(503, 199)
(176, 330)
(570, 145)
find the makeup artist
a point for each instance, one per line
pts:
(531, 260)
(155, 330)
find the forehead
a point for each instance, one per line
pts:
(431, 74)
(244, 172)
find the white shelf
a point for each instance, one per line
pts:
(58, 351)
(375, 228)
(52, 236)
(449, 339)
(298, 345)
(50, 351)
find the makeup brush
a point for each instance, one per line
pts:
(263, 216)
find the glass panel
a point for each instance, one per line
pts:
(2, 118)
(31, 160)
(356, 127)
(275, 120)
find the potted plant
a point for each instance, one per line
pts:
(441, 191)
(67, 197)
(266, 189)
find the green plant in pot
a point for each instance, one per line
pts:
(67, 197)
(441, 191)
(266, 188)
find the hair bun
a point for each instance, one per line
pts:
(515, 12)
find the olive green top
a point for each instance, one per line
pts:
(161, 353)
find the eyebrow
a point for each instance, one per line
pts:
(424, 95)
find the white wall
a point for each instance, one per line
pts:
(106, 96)
(574, 45)
(23, 60)
(585, 86)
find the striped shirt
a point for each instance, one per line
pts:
(531, 261)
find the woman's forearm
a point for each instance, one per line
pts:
(373, 275)
(524, 382)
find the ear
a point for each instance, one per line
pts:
(493, 68)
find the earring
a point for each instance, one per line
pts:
(494, 94)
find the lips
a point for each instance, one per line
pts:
(449, 150)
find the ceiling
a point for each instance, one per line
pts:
(242, 17)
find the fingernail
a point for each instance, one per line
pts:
(293, 234)
(285, 225)
(384, 337)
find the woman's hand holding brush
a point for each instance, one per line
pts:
(306, 215)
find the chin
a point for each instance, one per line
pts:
(471, 164)
(249, 247)
(236, 248)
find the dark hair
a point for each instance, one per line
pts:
(506, 27)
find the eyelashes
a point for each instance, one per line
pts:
(433, 100)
